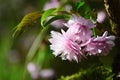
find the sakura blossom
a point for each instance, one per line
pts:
(51, 4)
(80, 20)
(78, 41)
(58, 23)
(100, 45)
(101, 16)
(54, 4)
(33, 70)
(80, 28)
(65, 47)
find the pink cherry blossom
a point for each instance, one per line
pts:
(65, 47)
(78, 40)
(54, 4)
(80, 32)
(80, 20)
(51, 4)
(100, 45)
(80, 28)
(58, 23)
(101, 16)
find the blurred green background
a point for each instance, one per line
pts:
(13, 51)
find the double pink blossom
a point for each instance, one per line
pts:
(65, 47)
(78, 40)
(80, 28)
(100, 45)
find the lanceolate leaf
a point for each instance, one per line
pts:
(65, 17)
(46, 14)
(80, 4)
(27, 21)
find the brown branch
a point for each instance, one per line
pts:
(113, 9)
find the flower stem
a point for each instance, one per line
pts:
(34, 48)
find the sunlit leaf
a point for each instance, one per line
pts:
(46, 14)
(26, 22)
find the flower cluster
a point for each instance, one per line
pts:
(78, 41)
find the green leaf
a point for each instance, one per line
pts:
(46, 14)
(65, 17)
(26, 22)
(85, 10)
(80, 4)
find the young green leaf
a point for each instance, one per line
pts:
(80, 4)
(27, 21)
(46, 14)
(85, 10)
(65, 17)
